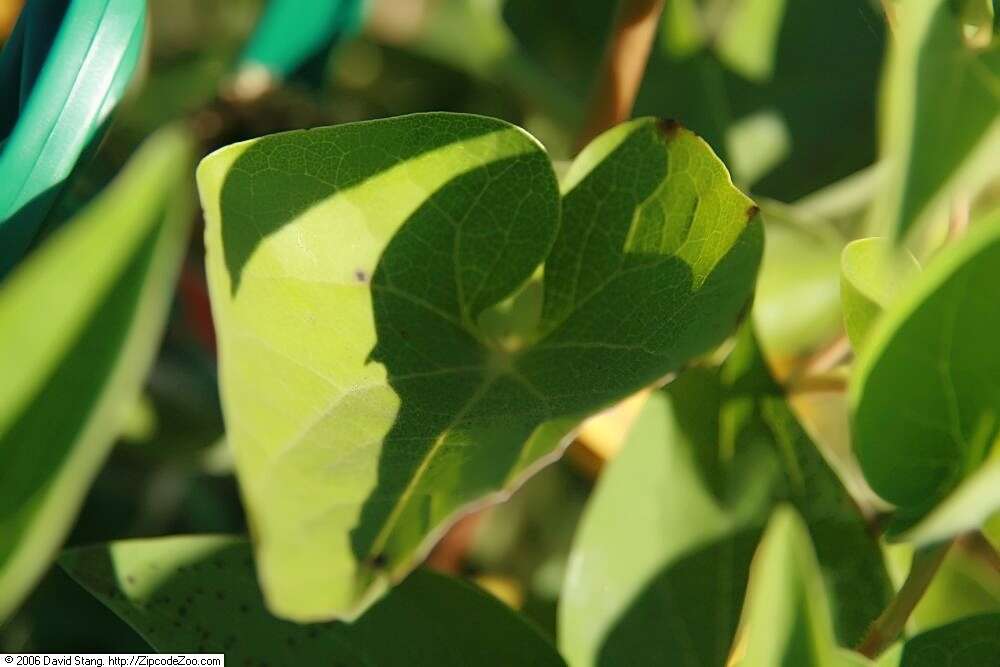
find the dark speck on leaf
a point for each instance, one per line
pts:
(668, 127)
(752, 211)
(361, 275)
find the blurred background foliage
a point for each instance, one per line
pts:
(788, 100)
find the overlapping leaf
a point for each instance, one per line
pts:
(925, 397)
(873, 272)
(787, 619)
(940, 115)
(199, 593)
(350, 269)
(79, 324)
(971, 642)
(678, 514)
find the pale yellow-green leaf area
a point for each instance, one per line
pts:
(348, 267)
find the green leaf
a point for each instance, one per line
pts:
(797, 303)
(970, 506)
(965, 584)
(199, 593)
(971, 642)
(924, 396)
(940, 116)
(706, 462)
(786, 619)
(349, 270)
(748, 38)
(873, 272)
(64, 69)
(80, 321)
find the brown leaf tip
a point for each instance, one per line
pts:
(752, 211)
(669, 127)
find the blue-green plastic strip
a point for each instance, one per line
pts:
(292, 32)
(70, 62)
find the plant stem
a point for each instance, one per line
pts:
(820, 363)
(958, 219)
(977, 546)
(622, 66)
(890, 624)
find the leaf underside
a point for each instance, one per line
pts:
(199, 593)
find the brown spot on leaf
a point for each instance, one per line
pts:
(361, 275)
(752, 211)
(668, 127)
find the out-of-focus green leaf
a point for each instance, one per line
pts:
(63, 70)
(291, 32)
(747, 39)
(940, 116)
(963, 586)
(786, 619)
(820, 91)
(684, 32)
(969, 506)
(199, 593)
(872, 273)
(79, 324)
(351, 266)
(707, 461)
(971, 642)
(797, 305)
(926, 409)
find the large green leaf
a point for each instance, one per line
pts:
(79, 323)
(971, 642)
(349, 270)
(940, 115)
(786, 620)
(63, 70)
(198, 593)
(926, 405)
(873, 272)
(705, 464)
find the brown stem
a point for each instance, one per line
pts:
(977, 546)
(819, 363)
(888, 626)
(622, 67)
(958, 220)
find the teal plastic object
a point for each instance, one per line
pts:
(63, 70)
(292, 32)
